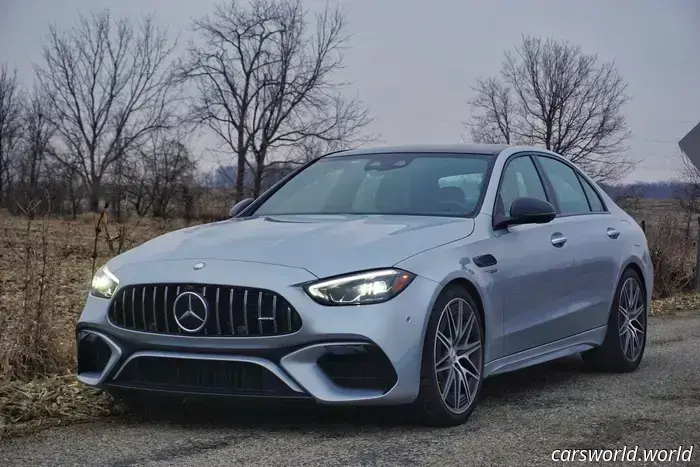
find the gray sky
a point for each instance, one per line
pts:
(412, 61)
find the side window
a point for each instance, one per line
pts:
(567, 188)
(520, 179)
(593, 197)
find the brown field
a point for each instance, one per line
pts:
(45, 270)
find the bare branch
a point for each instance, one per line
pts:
(265, 82)
(110, 85)
(549, 93)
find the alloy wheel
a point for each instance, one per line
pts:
(632, 319)
(458, 355)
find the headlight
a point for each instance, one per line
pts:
(104, 283)
(361, 288)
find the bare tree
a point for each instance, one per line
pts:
(549, 93)
(10, 122)
(264, 81)
(111, 83)
(157, 169)
(32, 153)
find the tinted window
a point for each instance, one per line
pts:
(519, 180)
(593, 197)
(567, 188)
(416, 184)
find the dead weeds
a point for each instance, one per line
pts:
(27, 406)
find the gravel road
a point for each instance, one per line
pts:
(520, 420)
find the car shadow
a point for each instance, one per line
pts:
(510, 388)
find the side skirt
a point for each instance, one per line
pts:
(544, 353)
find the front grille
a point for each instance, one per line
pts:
(358, 367)
(195, 376)
(233, 311)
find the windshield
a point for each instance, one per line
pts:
(409, 184)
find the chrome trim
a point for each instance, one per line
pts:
(268, 365)
(93, 378)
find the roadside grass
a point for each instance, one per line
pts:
(30, 405)
(45, 269)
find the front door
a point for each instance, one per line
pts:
(535, 279)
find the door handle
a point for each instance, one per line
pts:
(613, 233)
(558, 240)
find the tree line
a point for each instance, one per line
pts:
(116, 103)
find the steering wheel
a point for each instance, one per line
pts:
(456, 206)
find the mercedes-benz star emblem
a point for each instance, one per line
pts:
(199, 266)
(191, 312)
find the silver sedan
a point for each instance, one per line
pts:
(377, 276)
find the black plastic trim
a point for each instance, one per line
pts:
(485, 261)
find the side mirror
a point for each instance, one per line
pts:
(528, 211)
(240, 206)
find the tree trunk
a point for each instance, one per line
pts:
(240, 177)
(95, 196)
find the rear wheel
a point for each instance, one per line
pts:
(453, 360)
(625, 340)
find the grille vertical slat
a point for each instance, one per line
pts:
(218, 319)
(274, 314)
(153, 311)
(230, 311)
(260, 322)
(153, 307)
(245, 312)
(133, 308)
(177, 293)
(165, 309)
(204, 294)
(143, 307)
(124, 307)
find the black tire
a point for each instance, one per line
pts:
(430, 406)
(611, 356)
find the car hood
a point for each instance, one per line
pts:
(323, 245)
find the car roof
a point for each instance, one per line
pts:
(484, 149)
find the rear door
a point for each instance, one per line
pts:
(594, 237)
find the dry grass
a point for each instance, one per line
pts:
(45, 270)
(49, 401)
(46, 266)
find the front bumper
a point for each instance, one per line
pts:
(368, 354)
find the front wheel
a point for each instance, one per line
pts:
(452, 364)
(625, 340)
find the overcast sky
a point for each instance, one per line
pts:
(412, 61)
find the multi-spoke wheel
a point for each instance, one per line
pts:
(458, 354)
(632, 319)
(453, 359)
(624, 343)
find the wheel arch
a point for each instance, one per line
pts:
(636, 265)
(476, 293)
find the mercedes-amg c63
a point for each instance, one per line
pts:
(390, 276)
